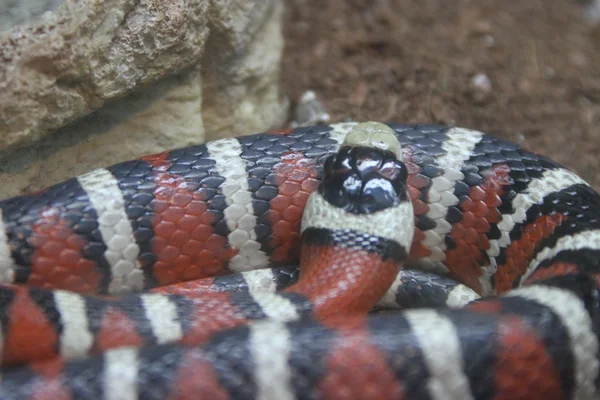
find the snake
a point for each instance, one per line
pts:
(340, 261)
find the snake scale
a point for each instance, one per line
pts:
(499, 247)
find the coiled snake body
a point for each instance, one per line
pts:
(467, 215)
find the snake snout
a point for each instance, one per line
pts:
(363, 180)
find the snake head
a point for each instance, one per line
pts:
(375, 135)
(367, 173)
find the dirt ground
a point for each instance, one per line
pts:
(527, 71)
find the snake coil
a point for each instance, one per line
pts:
(147, 279)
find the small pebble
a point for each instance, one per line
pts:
(489, 41)
(310, 111)
(481, 82)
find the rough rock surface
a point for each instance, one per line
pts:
(92, 82)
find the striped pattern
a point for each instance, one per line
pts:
(120, 374)
(437, 354)
(423, 350)
(322, 215)
(578, 241)
(439, 342)
(552, 181)
(83, 325)
(121, 249)
(270, 348)
(76, 338)
(7, 265)
(239, 214)
(583, 341)
(162, 314)
(460, 296)
(276, 307)
(411, 288)
(458, 148)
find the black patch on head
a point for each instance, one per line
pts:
(363, 180)
(348, 238)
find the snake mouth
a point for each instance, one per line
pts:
(364, 180)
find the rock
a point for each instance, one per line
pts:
(90, 83)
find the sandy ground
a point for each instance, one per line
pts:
(527, 71)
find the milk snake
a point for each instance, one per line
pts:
(489, 218)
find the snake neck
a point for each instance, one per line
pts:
(348, 261)
(343, 281)
(356, 227)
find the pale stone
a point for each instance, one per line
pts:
(89, 83)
